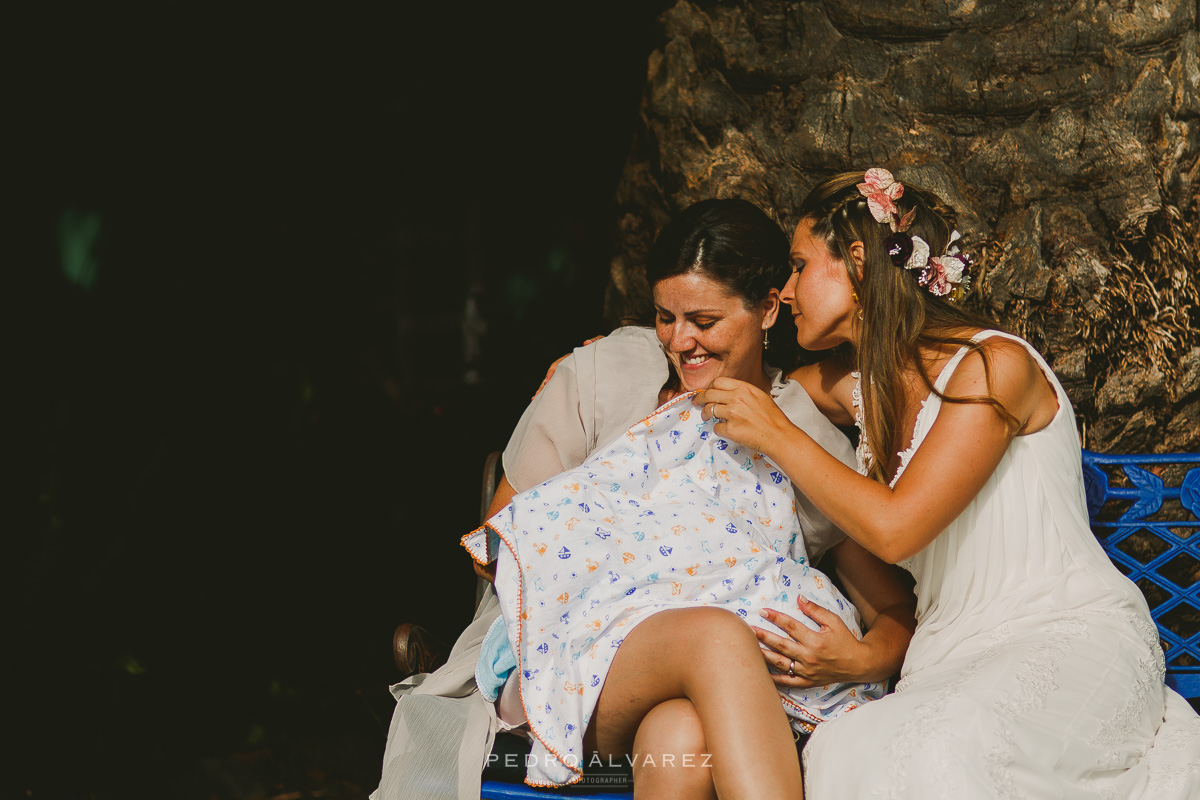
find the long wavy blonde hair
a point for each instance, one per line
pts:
(900, 319)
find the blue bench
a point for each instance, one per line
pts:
(1144, 510)
(499, 790)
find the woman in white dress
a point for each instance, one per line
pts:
(685, 682)
(1035, 670)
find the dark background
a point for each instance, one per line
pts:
(249, 415)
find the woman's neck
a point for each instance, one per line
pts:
(762, 380)
(673, 387)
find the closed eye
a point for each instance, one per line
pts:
(702, 322)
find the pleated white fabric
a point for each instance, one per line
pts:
(1035, 670)
(442, 729)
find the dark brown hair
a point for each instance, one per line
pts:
(900, 318)
(736, 244)
(732, 242)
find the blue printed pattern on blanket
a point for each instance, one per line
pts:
(669, 515)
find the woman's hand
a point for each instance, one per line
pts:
(830, 655)
(747, 414)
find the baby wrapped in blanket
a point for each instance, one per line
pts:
(669, 515)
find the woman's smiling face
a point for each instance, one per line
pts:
(708, 332)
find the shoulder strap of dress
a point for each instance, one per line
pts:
(1037, 357)
(943, 377)
(979, 337)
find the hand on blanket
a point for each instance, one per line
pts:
(831, 655)
(748, 414)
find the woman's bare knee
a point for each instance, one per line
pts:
(718, 623)
(672, 726)
(681, 653)
(709, 634)
(671, 759)
(720, 642)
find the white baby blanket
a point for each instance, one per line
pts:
(669, 515)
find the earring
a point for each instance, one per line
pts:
(766, 339)
(854, 295)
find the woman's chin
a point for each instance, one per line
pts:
(696, 380)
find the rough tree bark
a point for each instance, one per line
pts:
(1067, 135)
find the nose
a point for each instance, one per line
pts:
(788, 294)
(681, 337)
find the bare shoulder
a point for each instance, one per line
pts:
(830, 384)
(1005, 370)
(1005, 363)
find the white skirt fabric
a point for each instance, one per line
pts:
(1035, 670)
(1069, 705)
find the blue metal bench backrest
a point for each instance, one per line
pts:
(1154, 546)
(1154, 542)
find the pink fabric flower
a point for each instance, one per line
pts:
(881, 191)
(935, 279)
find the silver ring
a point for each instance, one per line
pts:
(792, 669)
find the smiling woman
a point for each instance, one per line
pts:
(687, 681)
(708, 331)
(714, 270)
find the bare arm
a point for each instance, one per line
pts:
(883, 595)
(831, 387)
(503, 496)
(960, 453)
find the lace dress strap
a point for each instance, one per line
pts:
(862, 453)
(925, 415)
(928, 412)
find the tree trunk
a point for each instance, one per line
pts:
(1066, 135)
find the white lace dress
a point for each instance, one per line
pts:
(1035, 670)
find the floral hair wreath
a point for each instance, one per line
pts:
(944, 275)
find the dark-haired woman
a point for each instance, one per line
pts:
(689, 682)
(1035, 670)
